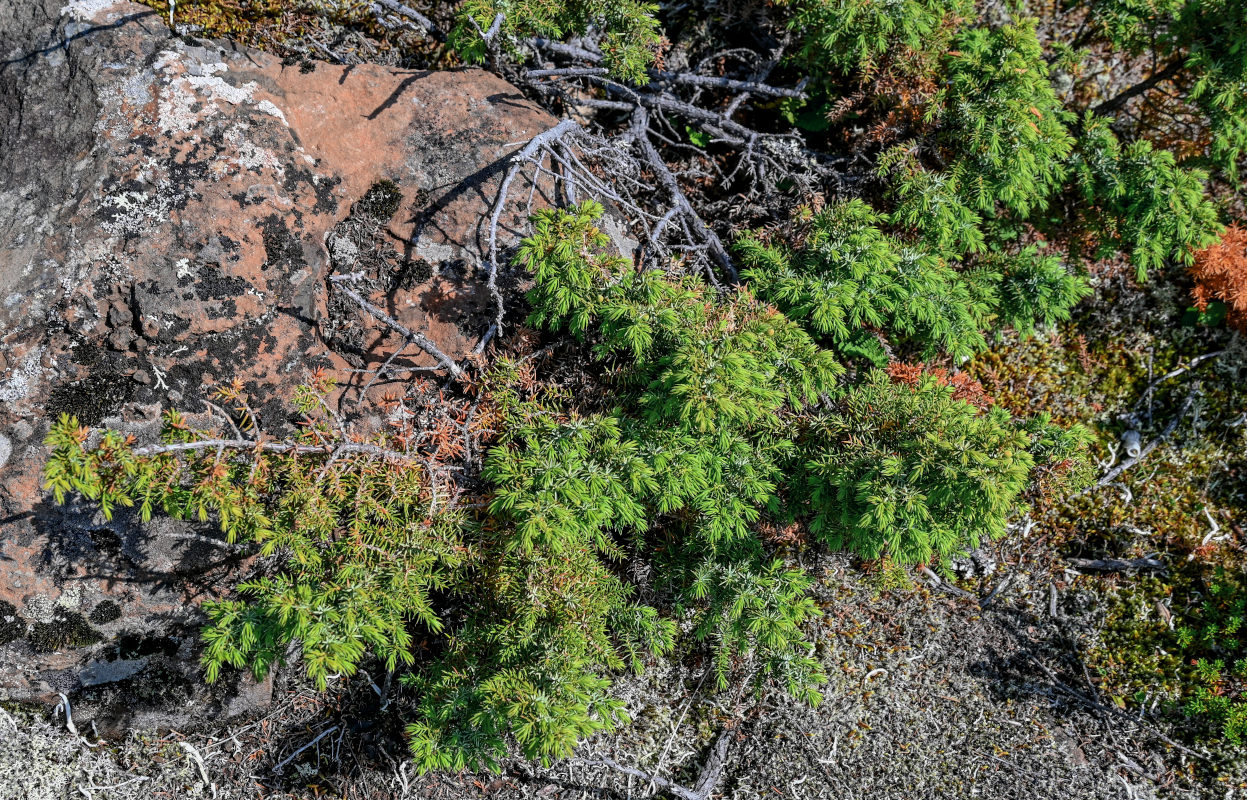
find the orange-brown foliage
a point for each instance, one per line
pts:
(1220, 273)
(964, 387)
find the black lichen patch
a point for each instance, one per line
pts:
(212, 284)
(281, 248)
(67, 629)
(106, 612)
(91, 399)
(11, 625)
(307, 66)
(326, 203)
(162, 685)
(381, 201)
(170, 331)
(188, 169)
(243, 200)
(145, 142)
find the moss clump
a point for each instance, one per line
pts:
(381, 201)
(11, 625)
(275, 25)
(106, 612)
(91, 399)
(412, 273)
(67, 629)
(161, 683)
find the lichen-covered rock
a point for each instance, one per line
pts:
(170, 211)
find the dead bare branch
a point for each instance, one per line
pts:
(542, 140)
(677, 199)
(410, 13)
(709, 777)
(329, 448)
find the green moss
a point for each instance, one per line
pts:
(67, 629)
(92, 398)
(106, 612)
(1135, 657)
(274, 24)
(11, 625)
(381, 202)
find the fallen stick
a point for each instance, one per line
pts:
(938, 583)
(277, 770)
(329, 449)
(1112, 474)
(410, 13)
(1116, 565)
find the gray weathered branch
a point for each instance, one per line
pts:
(640, 134)
(415, 337)
(410, 13)
(527, 153)
(327, 449)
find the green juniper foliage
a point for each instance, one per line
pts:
(1144, 203)
(851, 35)
(549, 617)
(912, 473)
(932, 204)
(760, 606)
(1001, 120)
(360, 553)
(568, 258)
(704, 383)
(849, 279)
(1027, 288)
